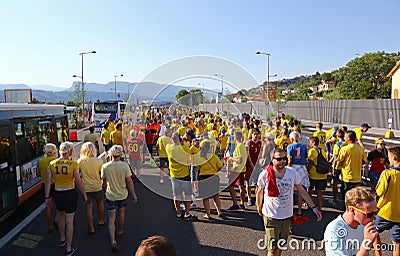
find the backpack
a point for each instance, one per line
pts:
(322, 166)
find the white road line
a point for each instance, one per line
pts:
(21, 225)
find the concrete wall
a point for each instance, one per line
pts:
(351, 112)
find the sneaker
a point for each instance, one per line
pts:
(250, 203)
(207, 217)
(161, 181)
(63, 243)
(114, 247)
(233, 208)
(179, 216)
(182, 207)
(189, 217)
(72, 252)
(241, 207)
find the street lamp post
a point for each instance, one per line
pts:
(222, 92)
(267, 54)
(115, 85)
(202, 96)
(83, 85)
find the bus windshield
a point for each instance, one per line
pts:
(104, 108)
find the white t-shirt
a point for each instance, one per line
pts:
(341, 239)
(280, 207)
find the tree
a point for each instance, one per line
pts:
(182, 98)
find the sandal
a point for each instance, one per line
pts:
(102, 225)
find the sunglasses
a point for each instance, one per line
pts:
(281, 158)
(368, 215)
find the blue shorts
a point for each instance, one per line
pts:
(112, 205)
(381, 224)
(163, 162)
(194, 174)
(373, 177)
(181, 185)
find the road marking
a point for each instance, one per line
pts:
(21, 225)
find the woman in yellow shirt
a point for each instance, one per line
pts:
(209, 180)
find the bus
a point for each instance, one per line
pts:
(24, 130)
(101, 111)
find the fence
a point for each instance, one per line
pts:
(351, 112)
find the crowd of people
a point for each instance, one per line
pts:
(272, 161)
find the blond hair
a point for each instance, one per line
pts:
(356, 196)
(88, 149)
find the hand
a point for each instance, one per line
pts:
(317, 213)
(85, 198)
(134, 198)
(49, 202)
(370, 235)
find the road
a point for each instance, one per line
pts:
(240, 233)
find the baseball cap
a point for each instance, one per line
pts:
(336, 127)
(380, 140)
(365, 125)
(299, 219)
(116, 151)
(190, 132)
(65, 147)
(204, 134)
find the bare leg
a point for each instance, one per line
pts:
(100, 205)
(49, 217)
(89, 216)
(242, 194)
(121, 219)
(69, 229)
(299, 203)
(232, 192)
(111, 224)
(319, 197)
(217, 203)
(206, 203)
(61, 225)
(177, 204)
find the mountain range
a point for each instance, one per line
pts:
(143, 91)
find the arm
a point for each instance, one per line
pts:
(370, 235)
(79, 184)
(290, 161)
(259, 200)
(47, 187)
(131, 188)
(309, 201)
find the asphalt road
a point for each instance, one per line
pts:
(240, 233)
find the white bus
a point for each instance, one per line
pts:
(101, 111)
(24, 130)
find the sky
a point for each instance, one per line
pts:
(41, 40)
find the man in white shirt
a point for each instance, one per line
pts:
(274, 199)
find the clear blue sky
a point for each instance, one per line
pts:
(41, 40)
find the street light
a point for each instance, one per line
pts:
(222, 92)
(115, 85)
(202, 96)
(83, 86)
(267, 54)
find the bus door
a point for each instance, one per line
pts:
(8, 186)
(62, 129)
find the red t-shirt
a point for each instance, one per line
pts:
(134, 148)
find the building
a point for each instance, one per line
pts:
(395, 75)
(326, 86)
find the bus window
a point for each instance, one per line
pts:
(62, 130)
(19, 130)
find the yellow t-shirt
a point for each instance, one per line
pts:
(223, 139)
(321, 135)
(389, 194)
(282, 142)
(179, 161)
(358, 132)
(115, 174)
(336, 150)
(116, 138)
(351, 157)
(90, 170)
(240, 152)
(213, 144)
(106, 136)
(212, 166)
(43, 165)
(313, 158)
(162, 142)
(62, 171)
(181, 130)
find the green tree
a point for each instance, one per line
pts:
(182, 97)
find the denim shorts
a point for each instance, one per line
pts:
(181, 185)
(112, 205)
(381, 224)
(373, 177)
